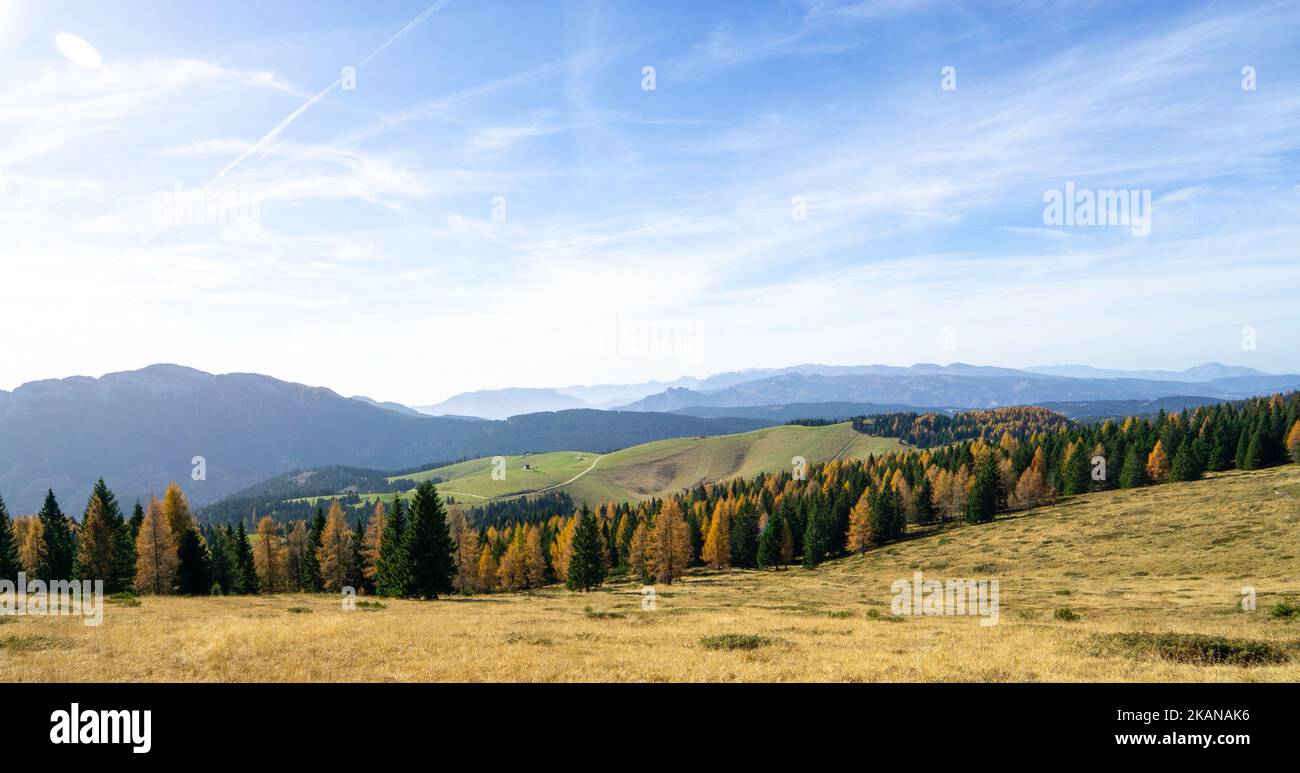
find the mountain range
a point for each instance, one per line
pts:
(141, 429)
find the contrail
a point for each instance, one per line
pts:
(305, 106)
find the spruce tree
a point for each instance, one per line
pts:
(194, 575)
(393, 569)
(769, 543)
(433, 554)
(983, 501)
(9, 564)
(357, 577)
(1186, 464)
(247, 565)
(56, 563)
(1134, 473)
(1076, 474)
(1254, 458)
(587, 565)
(309, 569)
(744, 537)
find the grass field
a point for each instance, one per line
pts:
(654, 469)
(1130, 566)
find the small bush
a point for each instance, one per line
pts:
(593, 614)
(1063, 592)
(298, 610)
(1285, 609)
(1027, 614)
(125, 598)
(735, 641)
(1066, 614)
(1197, 649)
(876, 614)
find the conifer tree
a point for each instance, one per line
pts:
(744, 536)
(1158, 463)
(1254, 459)
(59, 549)
(717, 545)
(860, 518)
(269, 557)
(95, 548)
(176, 509)
(373, 542)
(587, 565)
(787, 542)
(639, 559)
(357, 577)
(194, 569)
(393, 570)
(671, 544)
(155, 550)
(1293, 442)
(9, 563)
(1186, 464)
(334, 555)
(534, 558)
(769, 543)
(1134, 473)
(511, 574)
(310, 573)
(1075, 475)
(982, 503)
(433, 559)
(487, 569)
(246, 564)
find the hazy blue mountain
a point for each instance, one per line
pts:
(503, 403)
(1209, 371)
(792, 411)
(958, 391)
(1119, 409)
(388, 406)
(141, 429)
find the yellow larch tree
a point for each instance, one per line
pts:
(269, 556)
(670, 546)
(335, 554)
(717, 545)
(372, 545)
(487, 569)
(534, 558)
(860, 524)
(95, 542)
(155, 552)
(1158, 463)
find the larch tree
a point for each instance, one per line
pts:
(269, 556)
(717, 545)
(95, 548)
(860, 536)
(335, 554)
(156, 559)
(671, 544)
(176, 510)
(374, 540)
(638, 552)
(1158, 464)
(295, 548)
(1293, 442)
(31, 543)
(487, 569)
(512, 574)
(562, 549)
(534, 557)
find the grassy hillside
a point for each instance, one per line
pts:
(656, 469)
(1141, 571)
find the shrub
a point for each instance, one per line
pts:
(1066, 614)
(735, 641)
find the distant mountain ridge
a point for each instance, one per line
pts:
(142, 429)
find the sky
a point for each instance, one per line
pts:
(412, 199)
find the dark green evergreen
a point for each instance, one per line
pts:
(60, 549)
(586, 565)
(393, 570)
(246, 574)
(9, 564)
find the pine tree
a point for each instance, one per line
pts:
(393, 570)
(155, 550)
(246, 575)
(9, 563)
(1186, 464)
(587, 565)
(433, 559)
(59, 549)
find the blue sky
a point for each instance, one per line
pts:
(501, 202)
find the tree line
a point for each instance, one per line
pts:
(1018, 459)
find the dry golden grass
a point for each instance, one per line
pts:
(1166, 559)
